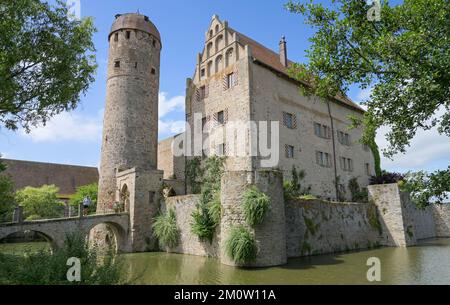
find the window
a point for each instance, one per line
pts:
(221, 117)
(135, 65)
(117, 64)
(323, 159)
(222, 149)
(289, 120)
(289, 151)
(368, 171)
(202, 72)
(346, 164)
(116, 37)
(230, 80)
(344, 138)
(154, 43)
(322, 131)
(128, 34)
(203, 92)
(153, 71)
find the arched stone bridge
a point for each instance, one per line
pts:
(55, 230)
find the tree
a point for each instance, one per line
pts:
(90, 190)
(40, 203)
(6, 195)
(404, 57)
(46, 61)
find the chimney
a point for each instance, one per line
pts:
(283, 52)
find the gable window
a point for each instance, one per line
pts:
(289, 151)
(344, 138)
(322, 131)
(346, 164)
(289, 120)
(323, 159)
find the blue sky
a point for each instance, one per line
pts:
(75, 138)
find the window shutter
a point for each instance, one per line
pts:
(215, 119)
(225, 116)
(197, 95)
(236, 78)
(225, 82)
(294, 121)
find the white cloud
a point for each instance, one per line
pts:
(68, 127)
(166, 106)
(171, 127)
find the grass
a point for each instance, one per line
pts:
(241, 246)
(256, 204)
(165, 229)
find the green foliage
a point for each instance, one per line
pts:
(40, 202)
(256, 204)
(6, 196)
(310, 225)
(241, 246)
(374, 220)
(427, 188)
(90, 190)
(207, 216)
(293, 188)
(46, 61)
(307, 197)
(194, 174)
(358, 194)
(405, 57)
(165, 229)
(50, 268)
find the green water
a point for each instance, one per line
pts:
(428, 263)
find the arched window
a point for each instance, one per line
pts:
(219, 41)
(211, 34)
(209, 49)
(217, 29)
(219, 63)
(229, 58)
(209, 69)
(124, 204)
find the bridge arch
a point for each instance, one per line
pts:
(51, 240)
(98, 234)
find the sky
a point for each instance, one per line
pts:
(75, 137)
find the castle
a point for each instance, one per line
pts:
(238, 80)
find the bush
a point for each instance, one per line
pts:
(255, 205)
(241, 246)
(40, 202)
(165, 229)
(90, 190)
(386, 178)
(293, 188)
(358, 194)
(46, 268)
(202, 225)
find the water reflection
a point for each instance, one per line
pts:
(428, 263)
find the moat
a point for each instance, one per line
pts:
(428, 263)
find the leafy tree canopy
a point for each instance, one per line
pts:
(6, 195)
(46, 61)
(40, 203)
(404, 57)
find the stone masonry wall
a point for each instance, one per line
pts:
(441, 215)
(319, 227)
(189, 243)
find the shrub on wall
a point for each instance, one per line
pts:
(207, 216)
(165, 229)
(293, 188)
(255, 205)
(241, 246)
(386, 178)
(358, 194)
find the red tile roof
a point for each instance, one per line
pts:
(272, 60)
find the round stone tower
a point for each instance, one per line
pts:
(130, 126)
